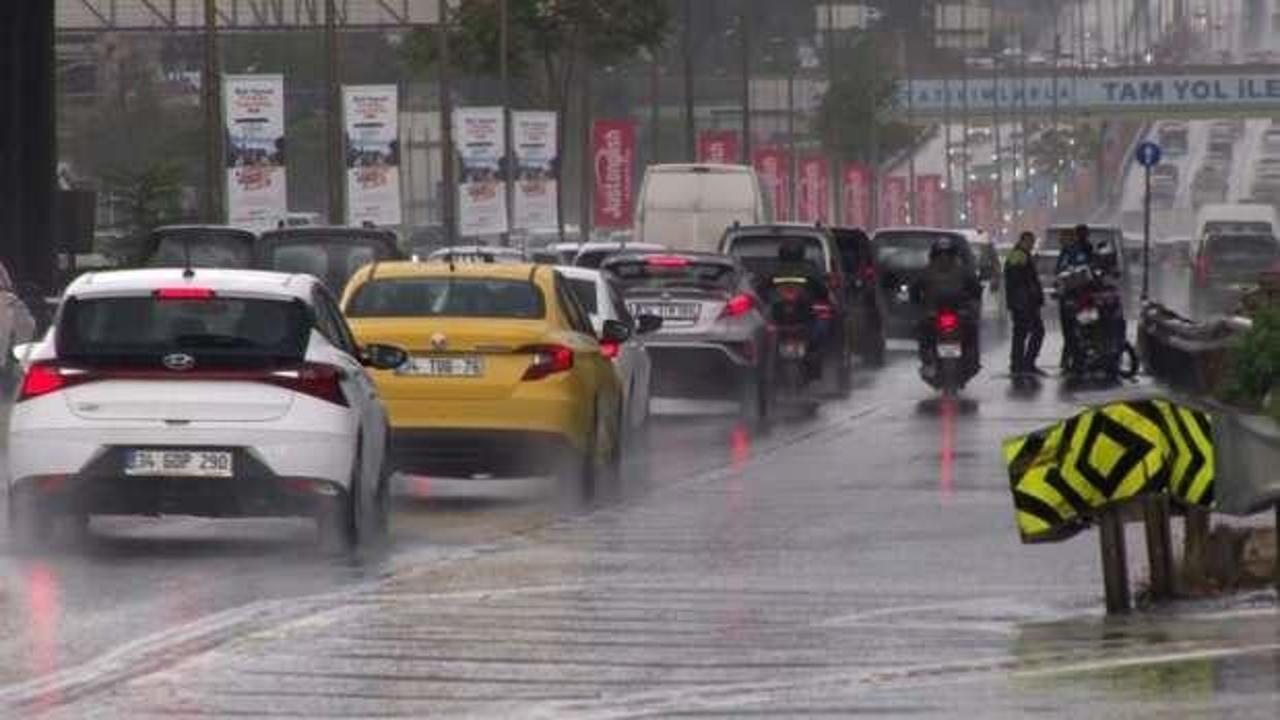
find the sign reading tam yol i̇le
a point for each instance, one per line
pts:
(1099, 93)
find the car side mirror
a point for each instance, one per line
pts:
(22, 350)
(615, 331)
(383, 357)
(646, 324)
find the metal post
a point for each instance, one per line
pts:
(791, 141)
(508, 135)
(1146, 232)
(449, 201)
(333, 116)
(690, 123)
(655, 108)
(911, 159)
(1194, 543)
(964, 117)
(746, 80)
(1159, 546)
(1277, 569)
(214, 163)
(1115, 564)
(586, 187)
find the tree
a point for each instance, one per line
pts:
(860, 105)
(1056, 150)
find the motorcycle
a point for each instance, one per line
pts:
(946, 354)
(793, 315)
(1100, 344)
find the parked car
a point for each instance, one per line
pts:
(757, 246)
(601, 295)
(714, 342)
(505, 378)
(332, 254)
(1228, 265)
(199, 246)
(217, 393)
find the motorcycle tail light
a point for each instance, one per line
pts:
(948, 322)
(823, 311)
(790, 293)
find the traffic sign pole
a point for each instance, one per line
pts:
(1147, 155)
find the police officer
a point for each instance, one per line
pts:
(1025, 298)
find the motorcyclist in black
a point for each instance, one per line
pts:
(1076, 252)
(949, 282)
(793, 265)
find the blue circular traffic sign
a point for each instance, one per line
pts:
(1148, 154)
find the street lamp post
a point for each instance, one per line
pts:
(748, 9)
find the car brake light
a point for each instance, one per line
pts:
(44, 378)
(738, 305)
(823, 311)
(667, 261)
(548, 360)
(314, 379)
(184, 293)
(610, 349)
(948, 322)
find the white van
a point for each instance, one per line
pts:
(688, 207)
(1237, 218)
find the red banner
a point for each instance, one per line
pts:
(613, 147)
(773, 165)
(856, 195)
(718, 146)
(931, 201)
(982, 203)
(814, 191)
(893, 202)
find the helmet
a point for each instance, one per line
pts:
(791, 251)
(945, 245)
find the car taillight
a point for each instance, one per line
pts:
(548, 360)
(667, 261)
(610, 349)
(44, 378)
(1202, 270)
(823, 311)
(184, 293)
(314, 379)
(948, 322)
(738, 305)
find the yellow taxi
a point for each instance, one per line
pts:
(503, 374)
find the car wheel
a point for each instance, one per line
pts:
(341, 523)
(31, 526)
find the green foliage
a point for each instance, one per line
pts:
(1255, 362)
(862, 97)
(547, 41)
(1055, 151)
(148, 197)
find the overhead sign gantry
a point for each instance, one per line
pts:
(239, 15)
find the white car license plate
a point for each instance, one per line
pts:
(794, 350)
(179, 463)
(674, 312)
(950, 350)
(445, 366)
(1087, 317)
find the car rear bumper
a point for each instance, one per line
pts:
(542, 413)
(102, 488)
(700, 370)
(462, 452)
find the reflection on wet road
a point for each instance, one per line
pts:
(861, 560)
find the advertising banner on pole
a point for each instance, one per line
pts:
(893, 201)
(257, 197)
(480, 140)
(982, 200)
(613, 147)
(773, 165)
(931, 210)
(815, 190)
(537, 170)
(856, 195)
(373, 154)
(718, 146)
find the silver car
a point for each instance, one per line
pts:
(714, 340)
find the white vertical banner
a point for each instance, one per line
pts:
(257, 197)
(480, 140)
(537, 170)
(373, 154)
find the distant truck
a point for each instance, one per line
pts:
(689, 206)
(1235, 218)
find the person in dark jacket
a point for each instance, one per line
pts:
(1025, 298)
(949, 282)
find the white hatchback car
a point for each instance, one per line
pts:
(216, 393)
(602, 298)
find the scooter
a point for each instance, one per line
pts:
(951, 369)
(793, 314)
(1099, 334)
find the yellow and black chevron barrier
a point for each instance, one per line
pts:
(1062, 475)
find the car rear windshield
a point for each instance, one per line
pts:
(448, 297)
(207, 249)
(672, 274)
(331, 260)
(227, 331)
(911, 249)
(1258, 251)
(759, 253)
(593, 258)
(1237, 226)
(586, 293)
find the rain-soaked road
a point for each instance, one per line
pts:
(862, 560)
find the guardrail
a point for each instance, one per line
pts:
(1187, 356)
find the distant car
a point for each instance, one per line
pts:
(199, 246)
(601, 296)
(507, 377)
(714, 341)
(1173, 138)
(217, 393)
(484, 254)
(302, 219)
(1226, 266)
(902, 256)
(1271, 141)
(332, 254)
(593, 254)
(426, 239)
(560, 253)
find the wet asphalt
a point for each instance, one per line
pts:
(855, 559)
